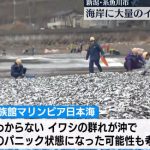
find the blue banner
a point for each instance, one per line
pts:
(49, 112)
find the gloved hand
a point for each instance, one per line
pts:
(23, 75)
(143, 73)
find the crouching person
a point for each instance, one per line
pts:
(17, 69)
(146, 56)
(134, 59)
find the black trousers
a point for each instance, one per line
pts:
(91, 66)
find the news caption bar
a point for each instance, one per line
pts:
(117, 13)
(115, 3)
(116, 10)
(74, 133)
(49, 112)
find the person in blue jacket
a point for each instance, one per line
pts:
(94, 51)
(17, 69)
(134, 59)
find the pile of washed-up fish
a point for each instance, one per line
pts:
(118, 95)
